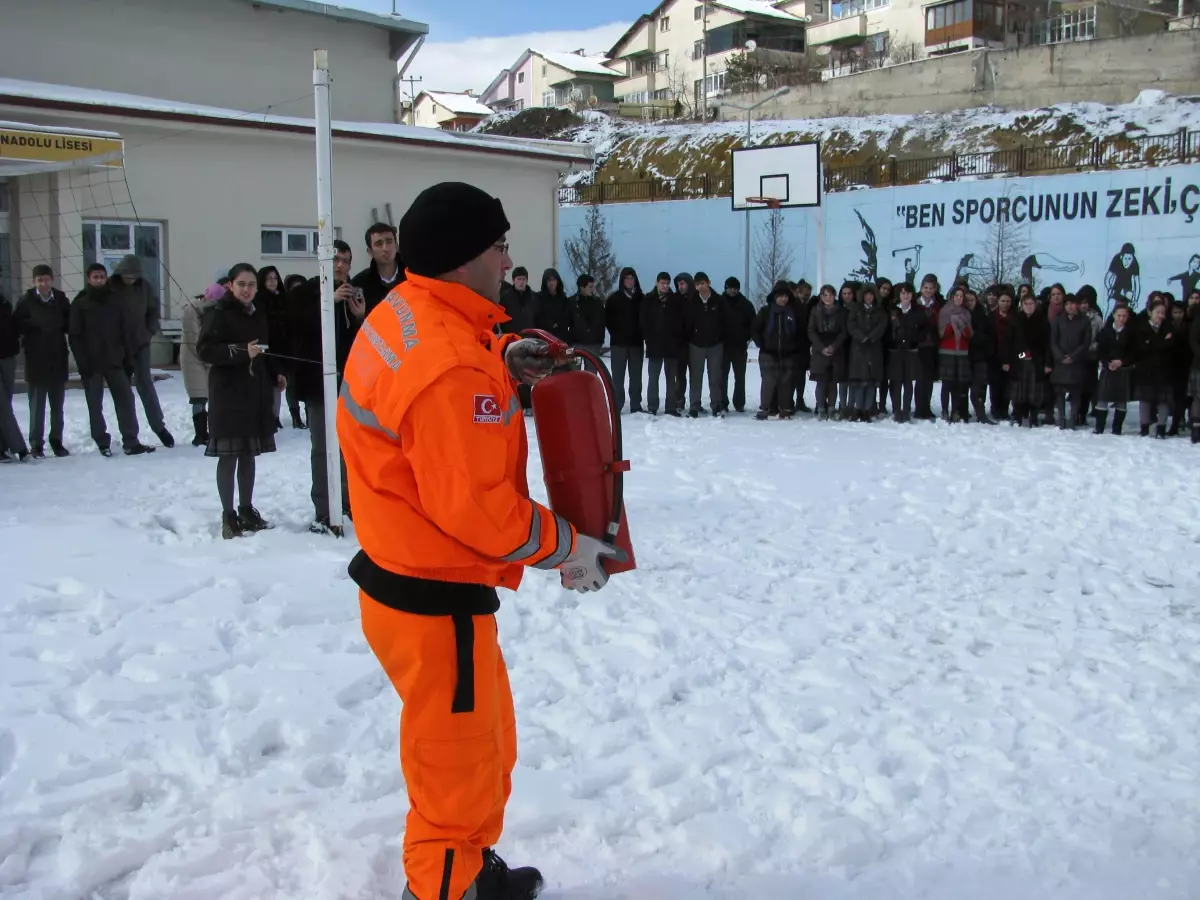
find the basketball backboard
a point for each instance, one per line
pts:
(789, 173)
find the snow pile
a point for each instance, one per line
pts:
(628, 149)
(857, 663)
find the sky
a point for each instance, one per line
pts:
(470, 41)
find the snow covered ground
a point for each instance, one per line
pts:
(857, 663)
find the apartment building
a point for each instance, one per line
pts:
(448, 111)
(680, 50)
(550, 78)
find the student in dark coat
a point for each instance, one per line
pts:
(828, 335)
(142, 316)
(704, 330)
(1155, 361)
(802, 291)
(1028, 364)
(1194, 373)
(273, 299)
(980, 354)
(43, 318)
(685, 287)
(1001, 325)
(887, 300)
(349, 309)
(1070, 344)
(739, 328)
(12, 442)
(661, 318)
(587, 327)
(1181, 368)
(623, 318)
(241, 389)
(520, 303)
(1116, 346)
(97, 337)
(909, 327)
(931, 299)
(554, 313)
(386, 269)
(866, 325)
(776, 331)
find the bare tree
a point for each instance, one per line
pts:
(1003, 252)
(773, 256)
(590, 251)
(682, 89)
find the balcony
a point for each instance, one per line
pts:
(639, 84)
(838, 30)
(967, 22)
(640, 42)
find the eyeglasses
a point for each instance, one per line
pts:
(502, 247)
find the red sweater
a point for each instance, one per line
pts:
(961, 345)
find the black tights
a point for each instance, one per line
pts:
(243, 466)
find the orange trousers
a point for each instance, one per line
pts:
(457, 765)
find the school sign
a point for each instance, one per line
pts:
(19, 144)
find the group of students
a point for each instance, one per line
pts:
(1050, 357)
(108, 327)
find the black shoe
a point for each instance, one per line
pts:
(231, 526)
(59, 450)
(37, 451)
(761, 415)
(496, 881)
(1101, 420)
(167, 440)
(138, 449)
(106, 451)
(785, 416)
(5, 457)
(1160, 432)
(1196, 434)
(320, 525)
(298, 422)
(1118, 421)
(251, 520)
(1144, 430)
(200, 423)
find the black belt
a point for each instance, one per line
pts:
(423, 597)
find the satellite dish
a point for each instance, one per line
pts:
(751, 46)
(822, 50)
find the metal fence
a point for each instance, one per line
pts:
(1109, 153)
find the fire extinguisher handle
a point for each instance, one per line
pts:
(554, 347)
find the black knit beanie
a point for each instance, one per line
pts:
(448, 225)
(732, 282)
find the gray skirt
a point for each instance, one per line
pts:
(954, 367)
(1115, 387)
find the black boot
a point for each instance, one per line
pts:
(1196, 434)
(251, 520)
(297, 422)
(231, 526)
(496, 881)
(1144, 430)
(1101, 420)
(37, 451)
(59, 450)
(200, 424)
(1118, 421)
(1160, 432)
(165, 436)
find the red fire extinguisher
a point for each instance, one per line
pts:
(579, 435)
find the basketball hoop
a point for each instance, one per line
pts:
(768, 202)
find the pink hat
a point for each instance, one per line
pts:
(214, 292)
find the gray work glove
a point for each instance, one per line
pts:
(528, 360)
(583, 570)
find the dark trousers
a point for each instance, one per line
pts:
(862, 397)
(144, 382)
(998, 383)
(924, 387)
(902, 398)
(826, 392)
(39, 394)
(1064, 417)
(11, 438)
(627, 358)
(734, 360)
(658, 365)
(122, 398)
(700, 360)
(778, 383)
(320, 480)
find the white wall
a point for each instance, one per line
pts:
(214, 188)
(224, 53)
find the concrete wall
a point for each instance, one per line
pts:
(1105, 71)
(224, 53)
(1063, 228)
(214, 188)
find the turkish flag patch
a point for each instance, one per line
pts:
(487, 410)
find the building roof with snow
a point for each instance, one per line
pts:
(461, 104)
(756, 8)
(573, 62)
(405, 32)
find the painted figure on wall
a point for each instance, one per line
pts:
(911, 263)
(1189, 280)
(868, 267)
(1037, 261)
(1123, 279)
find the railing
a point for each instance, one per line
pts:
(1109, 153)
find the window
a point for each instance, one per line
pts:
(662, 61)
(520, 78)
(845, 8)
(699, 13)
(277, 240)
(637, 97)
(698, 50)
(664, 24)
(819, 6)
(548, 98)
(545, 69)
(106, 241)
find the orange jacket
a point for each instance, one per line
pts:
(434, 438)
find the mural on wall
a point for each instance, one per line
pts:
(1126, 233)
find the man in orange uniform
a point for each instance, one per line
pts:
(431, 428)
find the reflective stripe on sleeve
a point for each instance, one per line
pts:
(363, 417)
(534, 540)
(562, 549)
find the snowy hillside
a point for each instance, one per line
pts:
(858, 663)
(634, 151)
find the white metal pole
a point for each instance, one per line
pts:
(820, 245)
(746, 284)
(324, 135)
